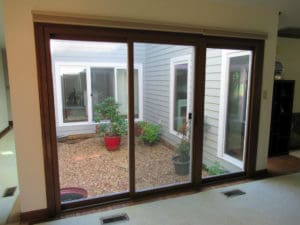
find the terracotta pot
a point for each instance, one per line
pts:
(112, 142)
(72, 193)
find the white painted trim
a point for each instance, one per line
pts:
(173, 62)
(226, 55)
(59, 93)
(87, 66)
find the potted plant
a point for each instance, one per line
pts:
(181, 160)
(112, 125)
(150, 133)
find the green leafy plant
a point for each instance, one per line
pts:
(183, 148)
(215, 169)
(183, 151)
(112, 123)
(150, 133)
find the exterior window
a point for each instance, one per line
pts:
(98, 82)
(179, 93)
(122, 91)
(74, 94)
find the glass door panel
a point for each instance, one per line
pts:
(225, 111)
(91, 122)
(163, 131)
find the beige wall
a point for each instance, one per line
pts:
(288, 52)
(23, 75)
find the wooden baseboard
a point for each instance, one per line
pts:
(260, 174)
(34, 216)
(5, 131)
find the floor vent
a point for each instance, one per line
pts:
(233, 193)
(114, 218)
(9, 192)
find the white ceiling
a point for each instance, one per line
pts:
(290, 12)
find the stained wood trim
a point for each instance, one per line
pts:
(198, 113)
(5, 131)
(120, 22)
(47, 121)
(131, 113)
(34, 216)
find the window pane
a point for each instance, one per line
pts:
(180, 96)
(103, 85)
(236, 110)
(122, 96)
(92, 155)
(225, 115)
(163, 155)
(73, 81)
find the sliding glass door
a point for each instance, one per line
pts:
(130, 113)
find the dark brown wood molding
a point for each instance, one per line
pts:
(11, 123)
(47, 120)
(5, 131)
(34, 216)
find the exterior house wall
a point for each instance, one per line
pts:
(157, 74)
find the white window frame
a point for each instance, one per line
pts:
(226, 56)
(88, 66)
(185, 59)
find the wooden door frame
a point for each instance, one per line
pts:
(46, 31)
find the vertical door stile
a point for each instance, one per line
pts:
(199, 87)
(131, 146)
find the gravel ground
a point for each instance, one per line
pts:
(87, 164)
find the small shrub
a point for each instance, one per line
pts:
(108, 110)
(150, 133)
(215, 169)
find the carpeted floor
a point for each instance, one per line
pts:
(273, 201)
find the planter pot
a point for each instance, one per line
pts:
(72, 194)
(181, 168)
(112, 143)
(138, 131)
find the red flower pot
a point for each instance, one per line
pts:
(112, 142)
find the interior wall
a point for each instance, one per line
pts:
(23, 73)
(288, 53)
(3, 98)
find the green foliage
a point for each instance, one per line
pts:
(183, 151)
(112, 123)
(215, 169)
(150, 133)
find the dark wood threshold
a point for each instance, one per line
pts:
(34, 216)
(5, 131)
